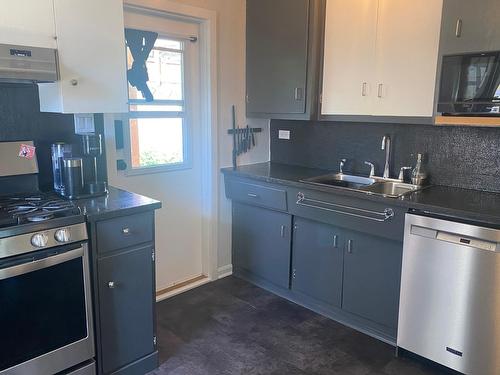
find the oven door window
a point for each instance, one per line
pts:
(41, 311)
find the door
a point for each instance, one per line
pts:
(406, 57)
(276, 60)
(28, 23)
(317, 260)
(372, 274)
(126, 307)
(349, 50)
(163, 147)
(261, 243)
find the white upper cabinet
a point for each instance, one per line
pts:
(348, 56)
(92, 59)
(407, 57)
(27, 23)
(380, 57)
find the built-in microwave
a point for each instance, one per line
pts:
(470, 84)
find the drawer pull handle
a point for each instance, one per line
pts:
(252, 195)
(335, 241)
(282, 231)
(126, 230)
(111, 285)
(349, 246)
(359, 212)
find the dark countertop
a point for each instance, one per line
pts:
(473, 205)
(117, 203)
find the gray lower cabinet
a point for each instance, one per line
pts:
(372, 276)
(123, 275)
(261, 243)
(126, 307)
(317, 261)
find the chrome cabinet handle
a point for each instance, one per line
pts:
(111, 285)
(252, 195)
(282, 231)
(349, 246)
(298, 95)
(74, 82)
(380, 86)
(362, 213)
(126, 230)
(363, 89)
(458, 28)
(335, 241)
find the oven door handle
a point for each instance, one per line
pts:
(35, 265)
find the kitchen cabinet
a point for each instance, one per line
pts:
(92, 59)
(126, 307)
(123, 272)
(317, 260)
(28, 23)
(470, 26)
(380, 57)
(372, 276)
(261, 243)
(282, 55)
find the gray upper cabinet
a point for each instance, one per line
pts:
(261, 243)
(281, 62)
(317, 261)
(372, 274)
(470, 26)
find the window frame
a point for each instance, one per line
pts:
(183, 115)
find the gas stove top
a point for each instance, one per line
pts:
(35, 209)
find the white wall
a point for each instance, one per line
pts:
(231, 17)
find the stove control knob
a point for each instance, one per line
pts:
(39, 240)
(63, 235)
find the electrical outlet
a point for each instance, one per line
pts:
(284, 134)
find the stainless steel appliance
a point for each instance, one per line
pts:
(45, 300)
(72, 177)
(92, 149)
(450, 294)
(470, 84)
(27, 64)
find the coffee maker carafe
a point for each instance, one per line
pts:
(91, 150)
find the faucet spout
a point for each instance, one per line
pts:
(386, 146)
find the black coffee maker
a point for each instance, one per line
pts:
(91, 150)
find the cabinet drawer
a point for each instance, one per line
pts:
(124, 231)
(363, 215)
(256, 194)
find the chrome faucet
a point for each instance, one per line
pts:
(372, 168)
(386, 145)
(342, 163)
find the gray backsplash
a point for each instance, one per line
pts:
(466, 157)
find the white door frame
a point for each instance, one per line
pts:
(207, 21)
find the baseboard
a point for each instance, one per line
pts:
(181, 288)
(224, 271)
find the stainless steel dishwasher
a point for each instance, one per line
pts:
(450, 294)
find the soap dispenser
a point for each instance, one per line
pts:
(419, 176)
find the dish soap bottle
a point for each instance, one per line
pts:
(418, 176)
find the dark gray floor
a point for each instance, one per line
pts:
(233, 327)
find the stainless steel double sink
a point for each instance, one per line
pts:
(369, 185)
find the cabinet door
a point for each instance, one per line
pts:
(349, 50)
(126, 307)
(92, 59)
(372, 276)
(276, 57)
(406, 57)
(317, 260)
(261, 243)
(470, 26)
(27, 23)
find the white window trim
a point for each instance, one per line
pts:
(186, 124)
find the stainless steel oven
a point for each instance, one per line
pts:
(45, 302)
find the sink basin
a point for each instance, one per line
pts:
(376, 185)
(342, 180)
(391, 188)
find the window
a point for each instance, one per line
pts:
(158, 134)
